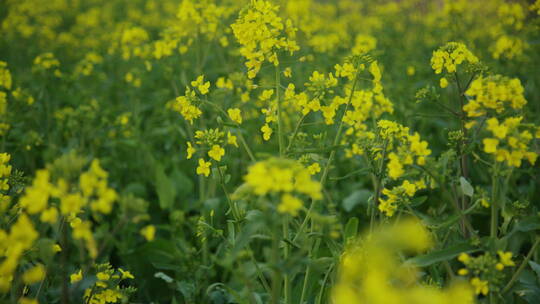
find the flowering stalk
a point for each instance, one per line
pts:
(324, 178)
(332, 154)
(378, 183)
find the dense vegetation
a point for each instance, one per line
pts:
(265, 151)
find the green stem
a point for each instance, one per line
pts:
(259, 272)
(378, 185)
(276, 275)
(522, 266)
(232, 205)
(295, 133)
(321, 291)
(494, 203)
(286, 280)
(279, 114)
(246, 147)
(308, 270)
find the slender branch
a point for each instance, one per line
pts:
(279, 115)
(521, 267)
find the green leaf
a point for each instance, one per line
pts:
(164, 277)
(45, 249)
(417, 201)
(351, 229)
(164, 187)
(355, 198)
(441, 255)
(466, 187)
(536, 267)
(527, 224)
(183, 184)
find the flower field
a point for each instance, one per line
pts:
(269, 151)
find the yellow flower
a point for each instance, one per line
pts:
(56, 248)
(28, 301)
(267, 132)
(103, 276)
(49, 215)
(266, 94)
(410, 188)
(499, 130)
(231, 139)
(480, 286)
(76, 277)
(261, 33)
(126, 274)
(464, 258)
(463, 271)
(5, 76)
(506, 258)
(314, 168)
(149, 232)
(235, 115)
(190, 150)
(204, 167)
(443, 83)
(470, 124)
(216, 152)
(287, 72)
(34, 274)
(395, 167)
(490, 145)
(223, 83)
(184, 105)
(450, 56)
(289, 204)
(201, 85)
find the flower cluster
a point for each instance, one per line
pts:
(402, 149)
(5, 76)
(511, 141)
(212, 141)
(363, 104)
(5, 84)
(91, 191)
(262, 34)
(187, 105)
(284, 178)
(494, 93)
(107, 288)
(47, 61)
(449, 56)
(371, 272)
(13, 244)
(194, 20)
(485, 271)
